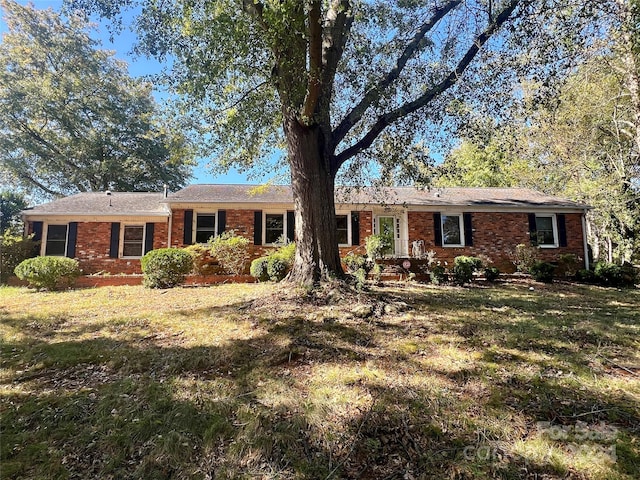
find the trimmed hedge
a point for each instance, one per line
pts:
(50, 273)
(165, 267)
(464, 267)
(543, 271)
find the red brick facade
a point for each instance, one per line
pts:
(494, 235)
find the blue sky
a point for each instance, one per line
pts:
(138, 66)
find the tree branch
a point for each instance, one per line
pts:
(388, 118)
(374, 93)
(315, 63)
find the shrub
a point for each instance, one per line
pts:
(231, 251)
(464, 267)
(612, 275)
(202, 262)
(258, 269)
(360, 276)
(523, 257)
(438, 274)
(377, 272)
(49, 273)
(542, 271)
(13, 250)
(354, 262)
(585, 276)
(491, 274)
(568, 264)
(165, 267)
(377, 246)
(277, 267)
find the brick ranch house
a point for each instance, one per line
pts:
(110, 231)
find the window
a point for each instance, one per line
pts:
(205, 227)
(133, 241)
(342, 229)
(546, 229)
(56, 240)
(274, 227)
(452, 231)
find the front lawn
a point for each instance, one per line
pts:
(248, 381)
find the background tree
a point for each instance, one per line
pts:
(72, 119)
(330, 76)
(11, 204)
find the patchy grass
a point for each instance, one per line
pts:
(244, 381)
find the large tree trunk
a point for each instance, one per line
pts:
(317, 256)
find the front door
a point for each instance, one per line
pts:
(387, 230)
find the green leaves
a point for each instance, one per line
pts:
(71, 118)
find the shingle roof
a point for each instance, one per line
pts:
(154, 204)
(99, 203)
(498, 197)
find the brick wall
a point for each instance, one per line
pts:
(495, 235)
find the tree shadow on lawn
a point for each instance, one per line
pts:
(299, 399)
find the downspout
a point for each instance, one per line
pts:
(165, 194)
(585, 243)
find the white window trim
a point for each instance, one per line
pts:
(194, 224)
(554, 226)
(264, 224)
(349, 237)
(121, 245)
(461, 225)
(45, 235)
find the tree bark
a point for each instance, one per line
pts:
(313, 186)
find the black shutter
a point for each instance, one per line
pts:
(355, 228)
(115, 240)
(222, 221)
(437, 229)
(37, 231)
(257, 227)
(562, 230)
(188, 227)
(533, 230)
(148, 237)
(72, 236)
(468, 230)
(291, 225)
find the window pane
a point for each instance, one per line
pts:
(451, 230)
(274, 227)
(205, 228)
(133, 233)
(342, 231)
(56, 240)
(133, 236)
(544, 227)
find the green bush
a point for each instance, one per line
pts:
(542, 271)
(49, 273)
(464, 267)
(166, 267)
(277, 267)
(586, 276)
(355, 262)
(523, 257)
(360, 276)
(377, 246)
(258, 269)
(274, 266)
(203, 264)
(231, 251)
(13, 250)
(491, 274)
(438, 274)
(612, 275)
(568, 264)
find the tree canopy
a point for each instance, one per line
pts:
(72, 119)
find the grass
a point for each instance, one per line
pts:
(245, 381)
